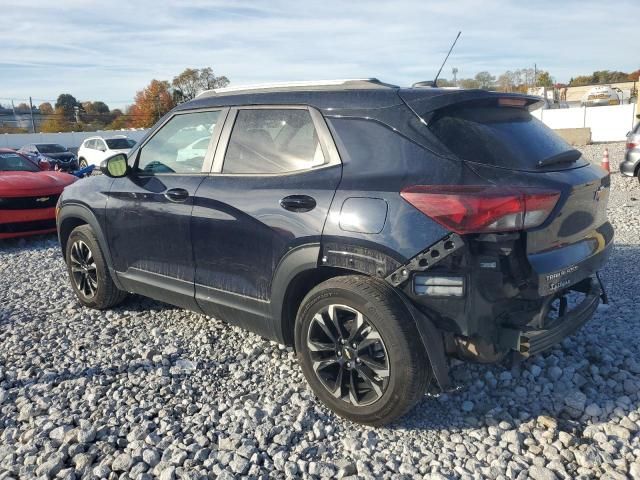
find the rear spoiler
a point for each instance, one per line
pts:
(424, 101)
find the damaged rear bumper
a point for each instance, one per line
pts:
(481, 301)
(534, 341)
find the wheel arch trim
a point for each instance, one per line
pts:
(297, 261)
(84, 214)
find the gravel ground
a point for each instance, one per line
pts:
(149, 390)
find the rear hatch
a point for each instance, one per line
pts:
(505, 146)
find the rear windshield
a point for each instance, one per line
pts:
(51, 148)
(499, 136)
(119, 143)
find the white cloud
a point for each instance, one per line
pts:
(98, 50)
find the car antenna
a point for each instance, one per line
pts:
(434, 83)
(435, 80)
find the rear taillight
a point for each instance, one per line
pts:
(479, 209)
(631, 145)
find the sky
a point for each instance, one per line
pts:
(107, 50)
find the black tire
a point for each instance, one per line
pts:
(408, 371)
(90, 277)
(82, 163)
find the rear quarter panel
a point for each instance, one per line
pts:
(378, 163)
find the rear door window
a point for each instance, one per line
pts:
(272, 141)
(118, 143)
(499, 136)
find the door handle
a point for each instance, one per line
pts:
(176, 195)
(298, 203)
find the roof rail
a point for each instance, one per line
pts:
(301, 85)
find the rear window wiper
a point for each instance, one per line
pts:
(569, 156)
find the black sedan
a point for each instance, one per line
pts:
(57, 155)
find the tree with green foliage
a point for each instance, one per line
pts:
(99, 108)
(599, 77)
(544, 79)
(95, 115)
(66, 104)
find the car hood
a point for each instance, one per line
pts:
(14, 184)
(59, 156)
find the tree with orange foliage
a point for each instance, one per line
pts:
(150, 104)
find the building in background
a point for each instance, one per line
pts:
(19, 119)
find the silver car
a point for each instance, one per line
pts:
(631, 164)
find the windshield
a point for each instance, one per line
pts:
(51, 148)
(120, 143)
(498, 136)
(12, 162)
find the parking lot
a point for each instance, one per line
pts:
(151, 390)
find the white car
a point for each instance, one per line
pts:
(600, 96)
(95, 149)
(193, 150)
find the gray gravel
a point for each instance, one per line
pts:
(149, 391)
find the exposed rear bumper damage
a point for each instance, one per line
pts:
(483, 298)
(535, 340)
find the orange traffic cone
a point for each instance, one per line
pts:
(605, 160)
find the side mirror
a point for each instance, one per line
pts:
(115, 166)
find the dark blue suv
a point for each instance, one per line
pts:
(379, 230)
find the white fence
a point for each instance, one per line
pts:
(71, 140)
(607, 124)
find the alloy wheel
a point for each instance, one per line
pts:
(348, 355)
(83, 269)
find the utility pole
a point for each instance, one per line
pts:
(455, 76)
(535, 74)
(15, 117)
(33, 124)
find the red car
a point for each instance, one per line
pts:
(28, 195)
